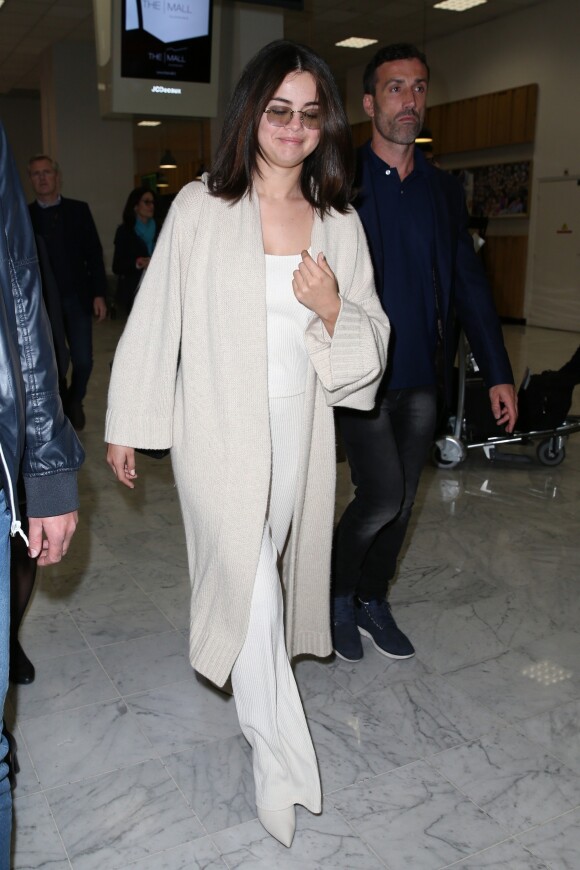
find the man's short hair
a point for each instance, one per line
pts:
(38, 157)
(396, 51)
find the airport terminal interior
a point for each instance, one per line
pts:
(468, 754)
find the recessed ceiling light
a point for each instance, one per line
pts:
(458, 5)
(148, 123)
(356, 42)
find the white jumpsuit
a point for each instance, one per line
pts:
(265, 692)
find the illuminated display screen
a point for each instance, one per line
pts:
(168, 40)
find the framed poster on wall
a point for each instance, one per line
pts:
(497, 190)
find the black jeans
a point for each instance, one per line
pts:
(78, 325)
(386, 450)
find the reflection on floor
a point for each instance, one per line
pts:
(466, 756)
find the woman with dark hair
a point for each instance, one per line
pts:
(257, 315)
(134, 242)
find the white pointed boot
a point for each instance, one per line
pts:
(280, 824)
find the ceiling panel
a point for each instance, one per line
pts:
(28, 26)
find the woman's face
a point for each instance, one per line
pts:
(145, 208)
(288, 147)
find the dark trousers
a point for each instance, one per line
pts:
(78, 326)
(386, 450)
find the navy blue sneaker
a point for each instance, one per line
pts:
(345, 637)
(375, 620)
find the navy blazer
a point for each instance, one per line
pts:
(84, 250)
(461, 286)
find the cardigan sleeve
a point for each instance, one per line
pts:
(351, 364)
(143, 379)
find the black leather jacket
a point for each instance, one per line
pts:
(33, 428)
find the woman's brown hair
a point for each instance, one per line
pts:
(327, 173)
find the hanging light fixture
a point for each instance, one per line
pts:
(161, 181)
(167, 160)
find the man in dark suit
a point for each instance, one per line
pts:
(427, 274)
(76, 258)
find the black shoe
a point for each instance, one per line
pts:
(10, 757)
(21, 668)
(76, 415)
(345, 637)
(375, 620)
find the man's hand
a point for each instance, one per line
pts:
(99, 308)
(504, 405)
(49, 537)
(122, 461)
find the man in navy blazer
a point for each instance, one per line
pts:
(427, 274)
(76, 259)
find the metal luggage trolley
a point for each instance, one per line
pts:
(464, 433)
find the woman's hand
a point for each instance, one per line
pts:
(316, 287)
(122, 461)
(142, 262)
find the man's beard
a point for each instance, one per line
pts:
(393, 131)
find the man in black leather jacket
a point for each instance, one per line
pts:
(34, 432)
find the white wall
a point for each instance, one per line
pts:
(244, 31)
(536, 45)
(21, 118)
(95, 155)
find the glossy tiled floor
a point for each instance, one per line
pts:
(466, 756)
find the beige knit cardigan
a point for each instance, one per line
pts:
(190, 373)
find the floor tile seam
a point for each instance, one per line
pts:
(217, 848)
(32, 764)
(86, 706)
(65, 850)
(475, 698)
(367, 780)
(153, 756)
(547, 821)
(484, 661)
(361, 837)
(546, 751)
(501, 723)
(142, 692)
(94, 647)
(123, 609)
(510, 839)
(509, 834)
(200, 744)
(26, 718)
(106, 674)
(454, 689)
(163, 852)
(188, 804)
(512, 834)
(131, 640)
(322, 667)
(47, 790)
(317, 700)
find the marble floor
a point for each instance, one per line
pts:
(466, 756)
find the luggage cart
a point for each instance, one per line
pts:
(464, 433)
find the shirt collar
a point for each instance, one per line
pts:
(420, 164)
(49, 204)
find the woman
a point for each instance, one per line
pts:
(257, 315)
(134, 242)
